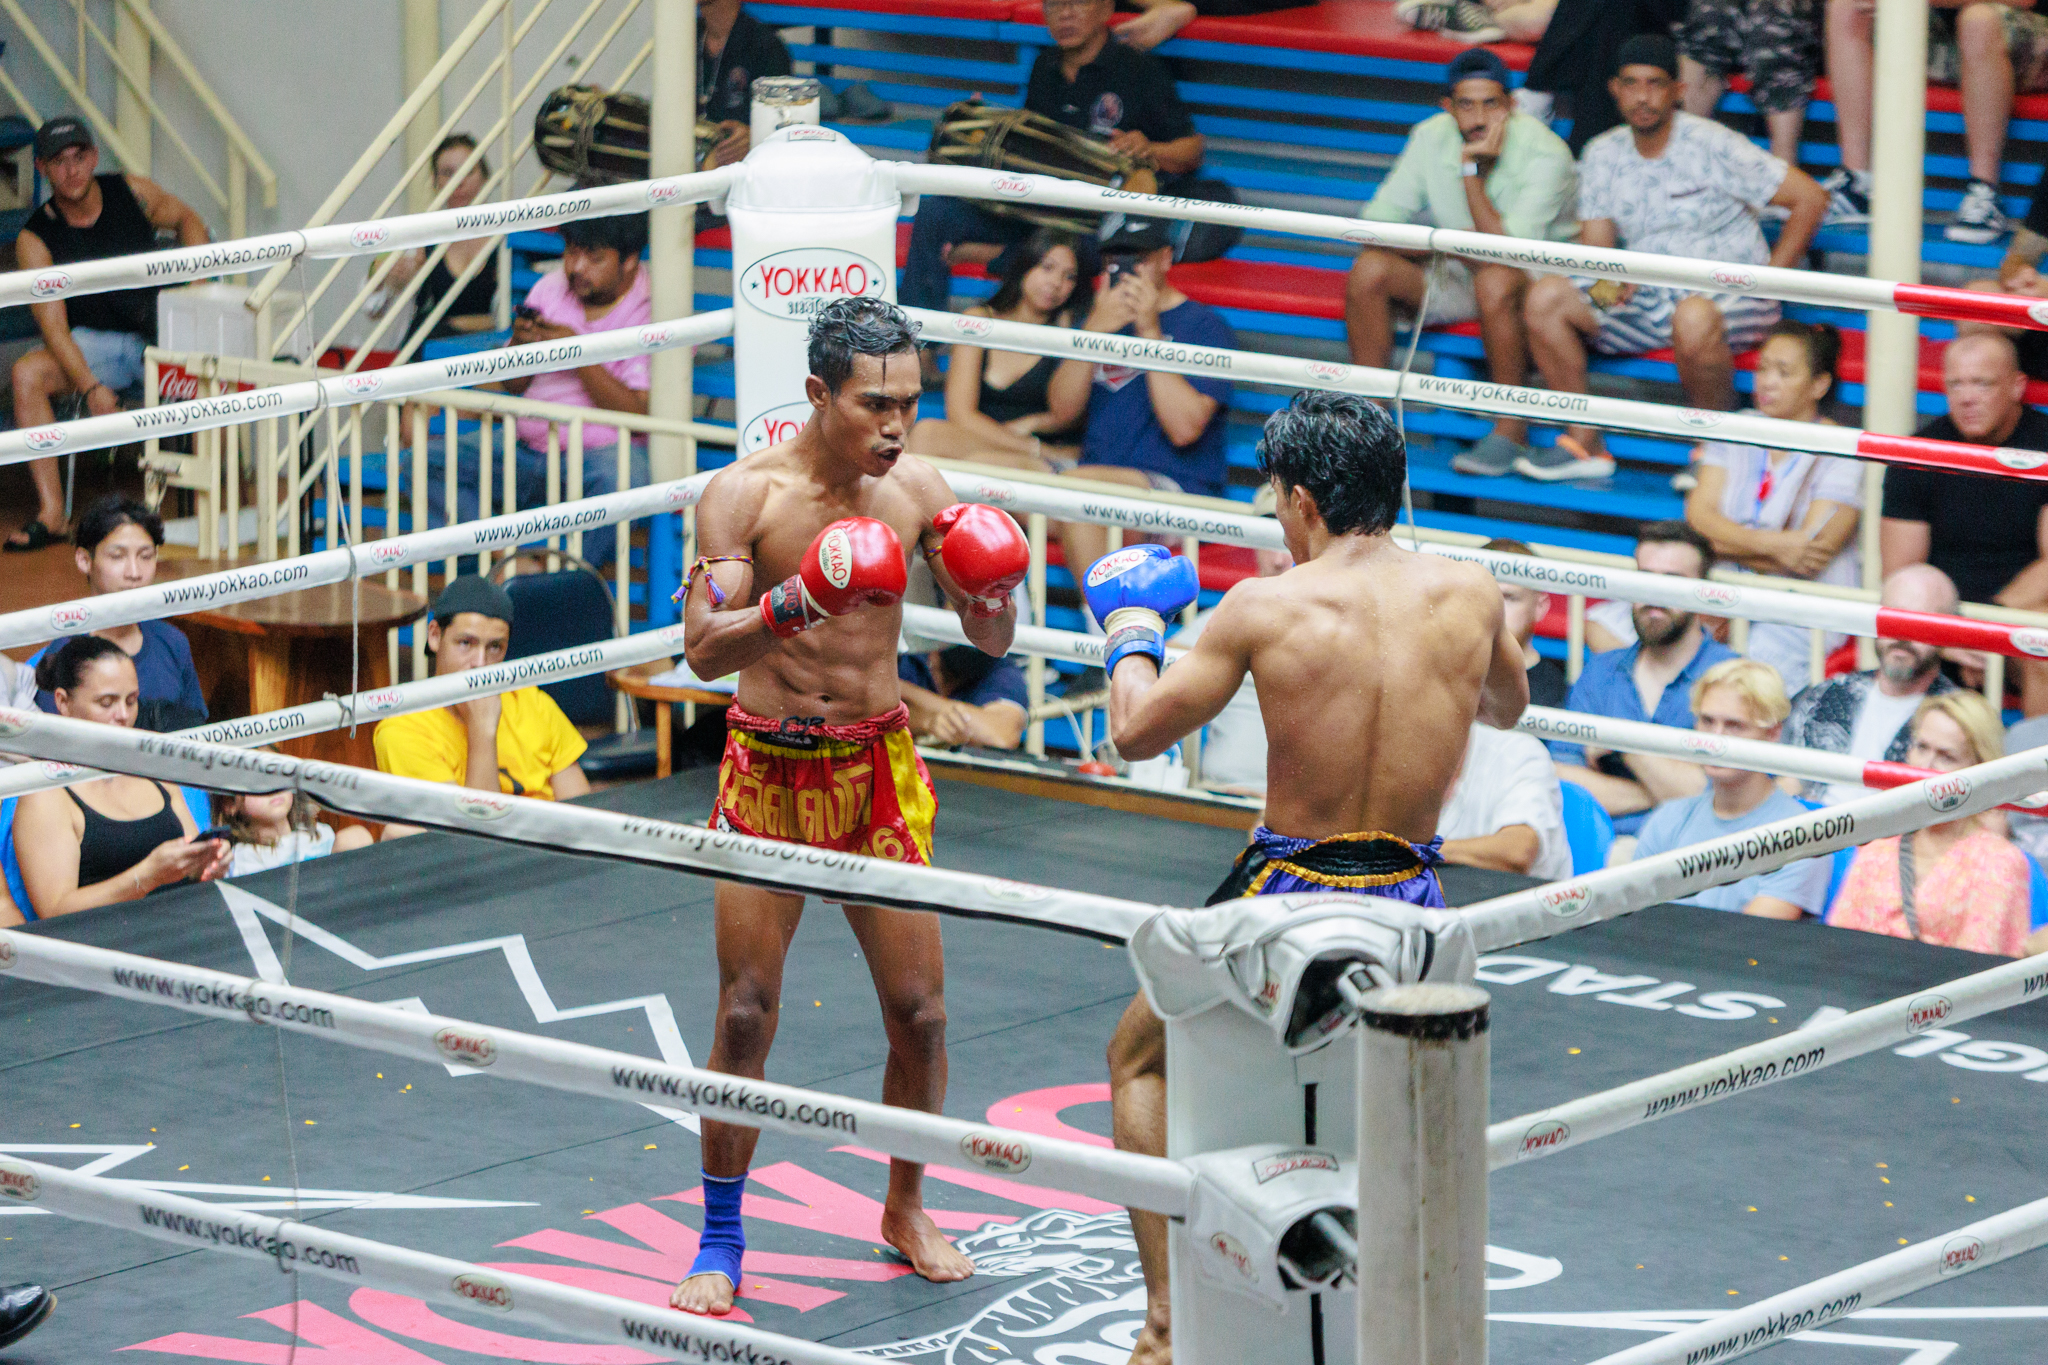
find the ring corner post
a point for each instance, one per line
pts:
(1423, 1057)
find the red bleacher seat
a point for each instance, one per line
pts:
(1221, 567)
(1304, 291)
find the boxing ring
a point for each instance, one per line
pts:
(1328, 1121)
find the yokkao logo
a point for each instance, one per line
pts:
(1109, 566)
(1005, 1153)
(1565, 901)
(795, 284)
(674, 635)
(19, 1183)
(50, 284)
(369, 234)
(663, 192)
(1923, 1012)
(2038, 312)
(1362, 237)
(484, 805)
(1287, 1163)
(13, 722)
(1701, 417)
(1713, 746)
(2031, 640)
(774, 426)
(70, 616)
(995, 494)
(1543, 1137)
(384, 552)
(835, 557)
(1231, 1252)
(1944, 794)
(363, 385)
(8, 955)
(485, 1291)
(1717, 594)
(973, 327)
(1015, 186)
(469, 1048)
(1732, 279)
(1323, 372)
(1019, 892)
(657, 334)
(2019, 459)
(59, 772)
(45, 438)
(1959, 1254)
(383, 699)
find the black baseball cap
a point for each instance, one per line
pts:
(1648, 49)
(60, 132)
(472, 593)
(1476, 64)
(1123, 236)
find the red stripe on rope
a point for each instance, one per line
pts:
(1956, 456)
(1967, 305)
(1960, 632)
(1882, 776)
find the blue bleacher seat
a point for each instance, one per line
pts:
(1587, 828)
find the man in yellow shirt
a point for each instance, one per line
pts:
(518, 742)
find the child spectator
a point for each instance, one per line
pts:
(277, 829)
(1960, 883)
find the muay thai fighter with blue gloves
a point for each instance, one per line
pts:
(1371, 663)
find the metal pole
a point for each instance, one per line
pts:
(672, 150)
(1422, 1082)
(1898, 146)
(131, 114)
(422, 47)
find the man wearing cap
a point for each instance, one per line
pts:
(516, 742)
(1479, 167)
(92, 345)
(1674, 184)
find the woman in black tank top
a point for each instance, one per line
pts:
(115, 838)
(1003, 407)
(472, 309)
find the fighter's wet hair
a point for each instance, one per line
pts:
(855, 326)
(1346, 451)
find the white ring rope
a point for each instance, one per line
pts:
(1126, 1178)
(1803, 1051)
(369, 238)
(570, 828)
(438, 1280)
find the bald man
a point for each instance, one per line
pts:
(1990, 538)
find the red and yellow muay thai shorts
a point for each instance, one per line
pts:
(857, 788)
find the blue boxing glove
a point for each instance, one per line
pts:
(1132, 591)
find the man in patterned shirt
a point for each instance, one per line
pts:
(1674, 184)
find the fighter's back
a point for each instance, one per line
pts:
(1369, 662)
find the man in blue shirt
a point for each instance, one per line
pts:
(1743, 699)
(1649, 680)
(962, 696)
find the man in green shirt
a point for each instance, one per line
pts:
(1478, 166)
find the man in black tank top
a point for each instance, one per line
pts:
(92, 345)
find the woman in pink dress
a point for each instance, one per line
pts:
(1961, 883)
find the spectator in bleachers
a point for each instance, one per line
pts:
(1960, 883)
(1005, 407)
(733, 48)
(1106, 89)
(277, 829)
(1742, 699)
(600, 286)
(1479, 21)
(1989, 535)
(1671, 183)
(1159, 20)
(1776, 43)
(2020, 273)
(474, 308)
(1788, 513)
(115, 838)
(115, 546)
(1505, 810)
(1649, 680)
(1569, 75)
(518, 742)
(92, 345)
(962, 696)
(1525, 607)
(1993, 49)
(1480, 166)
(1870, 715)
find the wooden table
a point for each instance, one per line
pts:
(281, 651)
(633, 681)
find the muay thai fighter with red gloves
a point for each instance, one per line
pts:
(818, 746)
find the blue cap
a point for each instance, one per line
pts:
(1476, 64)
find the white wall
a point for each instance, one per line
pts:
(312, 82)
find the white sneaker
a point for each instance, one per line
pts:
(1563, 462)
(1978, 219)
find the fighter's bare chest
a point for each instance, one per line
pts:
(789, 522)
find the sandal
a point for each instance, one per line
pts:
(38, 535)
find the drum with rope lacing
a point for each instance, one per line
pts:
(973, 133)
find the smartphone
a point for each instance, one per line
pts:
(214, 832)
(1113, 272)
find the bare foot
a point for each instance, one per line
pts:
(929, 1253)
(1155, 1347)
(708, 1294)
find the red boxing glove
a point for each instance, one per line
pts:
(853, 563)
(984, 552)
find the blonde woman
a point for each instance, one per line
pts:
(1960, 883)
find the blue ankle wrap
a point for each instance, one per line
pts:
(724, 1241)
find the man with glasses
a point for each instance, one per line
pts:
(1089, 82)
(92, 345)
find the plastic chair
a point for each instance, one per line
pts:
(560, 610)
(2037, 891)
(1588, 829)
